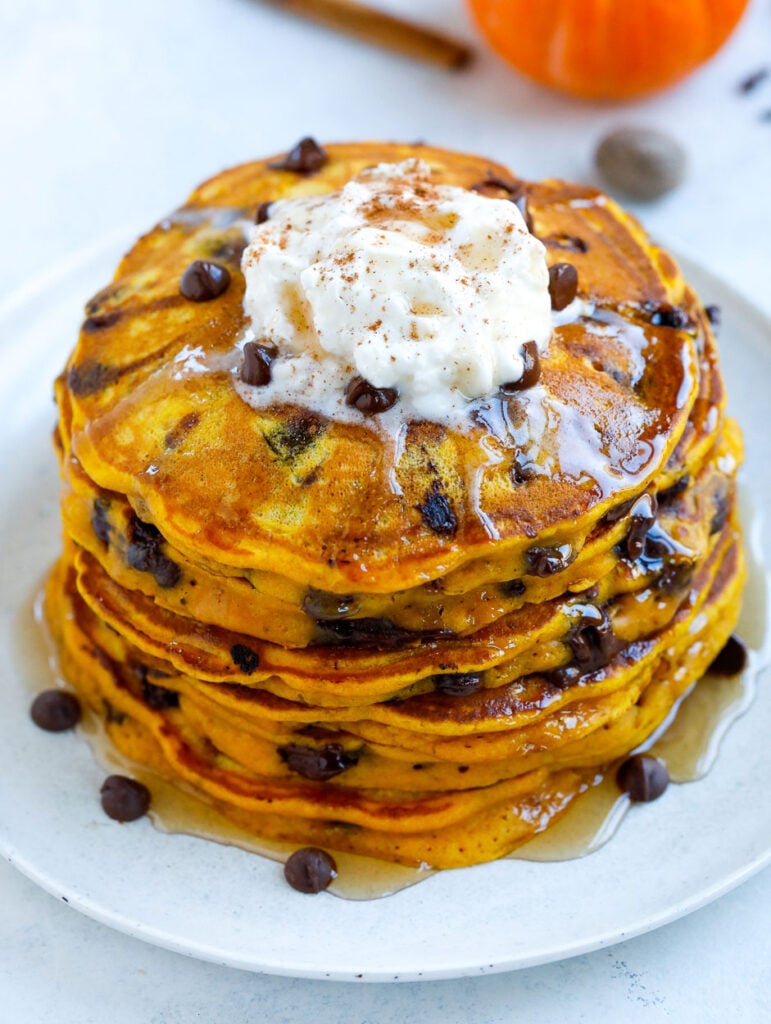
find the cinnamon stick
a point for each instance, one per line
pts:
(382, 29)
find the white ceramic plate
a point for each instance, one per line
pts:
(231, 907)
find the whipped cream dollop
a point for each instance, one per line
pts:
(429, 289)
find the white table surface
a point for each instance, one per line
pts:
(111, 113)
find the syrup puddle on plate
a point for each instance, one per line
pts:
(688, 742)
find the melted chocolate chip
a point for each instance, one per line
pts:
(295, 436)
(563, 285)
(55, 710)
(317, 763)
(720, 514)
(619, 512)
(306, 157)
(675, 576)
(644, 778)
(493, 183)
(570, 243)
(367, 398)
(437, 512)
(671, 493)
(203, 281)
(100, 523)
(124, 799)
(159, 698)
(177, 434)
(732, 659)
(512, 588)
(112, 714)
(592, 640)
(643, 516)
(320, 604)
(310, 870)
(714, 316)
(458, 684)
(245, 658)
(531, 370)
(262, 213)
(255, 368)
(373, 634)
(100, 321)
(548, 561)
(521, 471)
(144, 554)
(89, 378)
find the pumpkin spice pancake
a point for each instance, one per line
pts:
(398, 499)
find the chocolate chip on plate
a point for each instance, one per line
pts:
(367, 398)
(306, 157)
(732, 659)
(203, 281)
(563, 285)
(310, 869)
(124, 799)
(643, 777)
(255, 368)
(55, 710)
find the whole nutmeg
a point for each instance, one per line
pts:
(643, 163)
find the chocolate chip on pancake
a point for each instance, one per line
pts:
(144, 554)
(245, 658)
(368, 399)
(643, 516)
(458, 684)
(512, 588)
(159, 698)
(204, 280)
(262, 213)
(320, 604)
(255, 369)
(310, 870)
(643, 777)
(493, 184)
(669, 316)
(55, 710)
(124, 799)
(437, 513)
(306, 157)
(531, 370)
(732, 659)
(317, 763)
(100, 522)
(100, 321)
(542, 561)
(563, 285)
(570, 243)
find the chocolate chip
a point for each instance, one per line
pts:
(367, 398)
(751, 82)
(732, 659)
(177, 434)
(644, 778)
(643, 515)
(458, 684)
(310, 870)
(592, 640)
(245, 658)
(320, 604)
(512, 588)
(714, 315)
(437, 512)
(100, 524)
(675, 576)
(203, 281)
(720, 514)
(370, 633)
(294, 436)
(495, 183)
(90, 377)
(523, 206)
(306, 157)
(563, 285)
(255, 368)
(671, 493)
(159, 698)
(124, 799)
(55, 710)
(531, 369)
(548, 561)
(101, 321)
(642, 162)
(668, 316)
(317, 763)
(144, 554)
(570, 243)
(263, 212)
(112, 714)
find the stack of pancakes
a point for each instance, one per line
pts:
(419, 645)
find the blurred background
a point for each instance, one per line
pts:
(111, 114)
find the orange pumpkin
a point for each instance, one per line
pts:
(607, 49)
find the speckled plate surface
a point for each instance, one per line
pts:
(224, 905)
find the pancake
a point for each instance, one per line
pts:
(419, 641)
